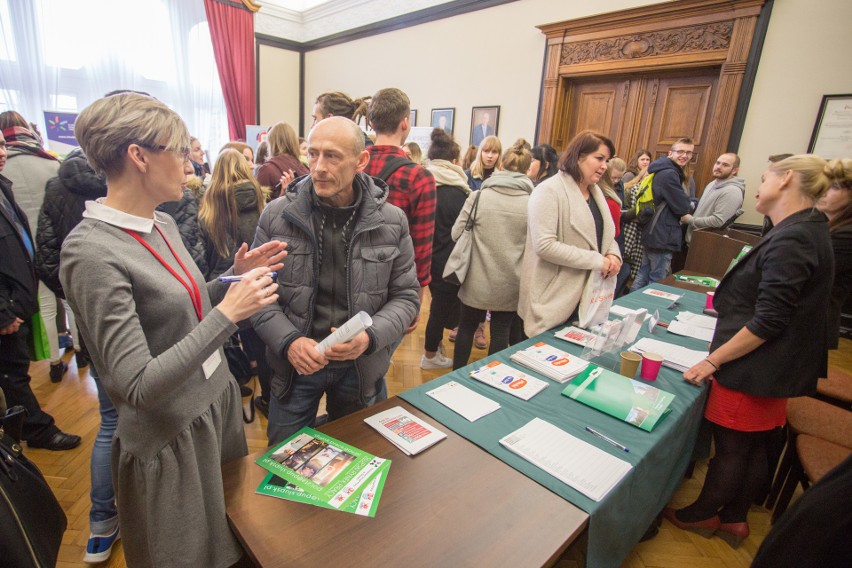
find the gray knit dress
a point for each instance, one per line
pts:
(175, 427)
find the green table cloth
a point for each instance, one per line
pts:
(659, 458)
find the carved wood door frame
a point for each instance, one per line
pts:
(684, 35)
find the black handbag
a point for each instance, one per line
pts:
(240, 367)
(31, 520)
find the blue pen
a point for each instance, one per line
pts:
(229, 279)
(607, 439)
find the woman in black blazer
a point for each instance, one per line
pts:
(770, 343)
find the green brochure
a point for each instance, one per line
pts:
(322, 466)
(636, 403)
(699, 280)
(365, 505)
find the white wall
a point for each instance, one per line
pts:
(494, 57)
(806, 55)
(279, 86)
(489, 57)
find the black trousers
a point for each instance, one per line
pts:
(255, 350)
(506, 329)
(15, 382)
(443, 313)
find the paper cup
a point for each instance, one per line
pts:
(651, 363)
(630, 363)
(708, 302)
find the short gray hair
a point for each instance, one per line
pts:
(109, 125)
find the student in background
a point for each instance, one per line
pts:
(451, 192)
(469, 157)
(242, 148)
(637, 168)
(499, 234)
(487, 162)
(413, 152)
(29, 167)
(563, 250)
(283, 164)
(771, 300)
(228, 216)
(837, 206)
(544, 163)
(198, 157)
(340, 104)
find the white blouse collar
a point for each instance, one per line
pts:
(98, 210)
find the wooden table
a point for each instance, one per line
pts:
(452, 505)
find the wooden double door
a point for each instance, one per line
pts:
(643, 111)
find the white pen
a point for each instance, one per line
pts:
(607, 439)
(229, 279)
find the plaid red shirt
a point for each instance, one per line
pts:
(412, 189)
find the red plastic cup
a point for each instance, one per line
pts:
(708, 302)
(651, 363)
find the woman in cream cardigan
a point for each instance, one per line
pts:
(570, 235)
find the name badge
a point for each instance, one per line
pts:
(211, 364)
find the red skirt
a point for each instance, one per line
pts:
(744, 412)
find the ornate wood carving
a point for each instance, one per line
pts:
(681, 40)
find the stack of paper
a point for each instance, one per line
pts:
(551, 362)
(508, 379)
(693, 325)
(314, 468)
(464, 401)
(404, 430)
(674, 356)
(588, 469)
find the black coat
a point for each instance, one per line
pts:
(779, 291)
(65, 199)
(185, 214)
(18, 284)
(841, 240)
(449, 203)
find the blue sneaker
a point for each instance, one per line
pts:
(65, 341)
(100, 547)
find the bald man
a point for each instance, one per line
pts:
(349, 251)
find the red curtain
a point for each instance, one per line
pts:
(232, 32)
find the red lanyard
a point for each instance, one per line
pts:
(194, 292)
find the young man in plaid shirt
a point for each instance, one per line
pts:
(412, 187)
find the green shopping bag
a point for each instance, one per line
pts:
(39, 346)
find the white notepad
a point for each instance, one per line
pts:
(406, 431)
(590, 470)
(462, 400)
(687, 329)
(674, 356)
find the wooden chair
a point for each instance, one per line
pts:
(711, 253)
(836, 389)
(813, 418)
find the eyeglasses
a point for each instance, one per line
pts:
(689, 153)
(182, 152)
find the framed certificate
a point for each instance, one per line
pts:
(832, 136)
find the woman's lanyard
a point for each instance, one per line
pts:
(194, 292)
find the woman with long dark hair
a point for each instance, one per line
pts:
(545, 163)
(283, 164)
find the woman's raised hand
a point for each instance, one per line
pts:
(268, 255)
(255, 291)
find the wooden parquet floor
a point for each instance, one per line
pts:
(74, 404)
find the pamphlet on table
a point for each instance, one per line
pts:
(508, 379)
(408, 432)
(588, 469)
(464, 401)
(551, 362)
(634, 402)
(322, 466)
(366, 504)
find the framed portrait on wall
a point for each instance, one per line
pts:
(413, 117)
(443, 118)
(832, 135)
(484, 121)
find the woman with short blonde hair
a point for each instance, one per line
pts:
(156, 338)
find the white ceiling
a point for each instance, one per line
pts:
(307, 20)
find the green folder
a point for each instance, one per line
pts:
(634, 402)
